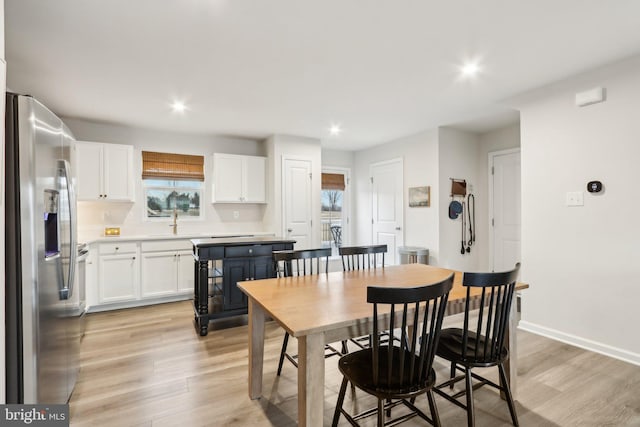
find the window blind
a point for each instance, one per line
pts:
(172, 166)
(333, 181)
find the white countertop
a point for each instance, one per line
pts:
(169, 236)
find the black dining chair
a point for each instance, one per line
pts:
(481, 342)
(398, 374)
(301, 263)
(361, 258)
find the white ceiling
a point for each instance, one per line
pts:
(382, 70)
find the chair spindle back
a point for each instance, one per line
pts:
(301, 262)
(427, 306)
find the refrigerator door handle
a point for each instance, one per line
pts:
(67, 290)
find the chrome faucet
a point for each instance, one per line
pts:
(175, 221)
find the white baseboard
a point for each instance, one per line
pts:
(607, 350)
(138, 303)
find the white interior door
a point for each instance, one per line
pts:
(505, 179)
(387, 198)
(296, 196)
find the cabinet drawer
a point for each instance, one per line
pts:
(247, 251)
(166, 245)
(117, 248)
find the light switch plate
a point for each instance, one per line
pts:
(575, 198)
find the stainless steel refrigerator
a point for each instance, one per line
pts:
(42, 308)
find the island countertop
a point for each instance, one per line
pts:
(210, 242)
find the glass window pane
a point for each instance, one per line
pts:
(162, 201)
(331, 218)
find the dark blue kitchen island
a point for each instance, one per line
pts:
(219, 264)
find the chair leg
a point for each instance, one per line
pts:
(471, 418)
(380, 413)
(434, 409)
(507, 390)
(345, 349)
(453, 374)
(338, 411)
(283, 351)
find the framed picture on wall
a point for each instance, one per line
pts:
(419, 196)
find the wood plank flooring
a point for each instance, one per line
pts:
(148, 367)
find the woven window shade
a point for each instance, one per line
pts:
(172, 166)
(333, 181)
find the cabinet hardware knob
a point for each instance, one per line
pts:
(117, 248)
(133, 258)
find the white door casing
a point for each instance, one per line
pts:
(505, 201)
(346, 202)
(387, 198)
(298, 206)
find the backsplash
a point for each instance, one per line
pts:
(93, 217)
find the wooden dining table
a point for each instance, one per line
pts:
(331, 307)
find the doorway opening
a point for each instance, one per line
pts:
(334, 208)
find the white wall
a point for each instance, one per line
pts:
(218, 218)
(420, 157)
(458, 157)
(496, 140)
(338, 158)
(277, 147)
(582, 262)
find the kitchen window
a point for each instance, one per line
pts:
(172, 183)
(163, 196)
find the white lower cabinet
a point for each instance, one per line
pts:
(166, 273)
(186, 274)
(118, 272)
(138, 273)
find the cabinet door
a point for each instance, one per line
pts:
(89, 171)
(234, 271)
(118, 277)
(159, 274)
(227, 178)
(118, 172)
(262, 268)
(254, 179)
(185, 272)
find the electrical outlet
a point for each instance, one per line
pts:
(236, 214)
(575, 198)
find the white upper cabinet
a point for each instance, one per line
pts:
(104, 171)
(239, 179)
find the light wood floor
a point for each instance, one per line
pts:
(148, 367)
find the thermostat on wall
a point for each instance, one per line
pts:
(594, 186)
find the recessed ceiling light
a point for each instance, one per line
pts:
(178, 107)
(470, 69)
(335, 129)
